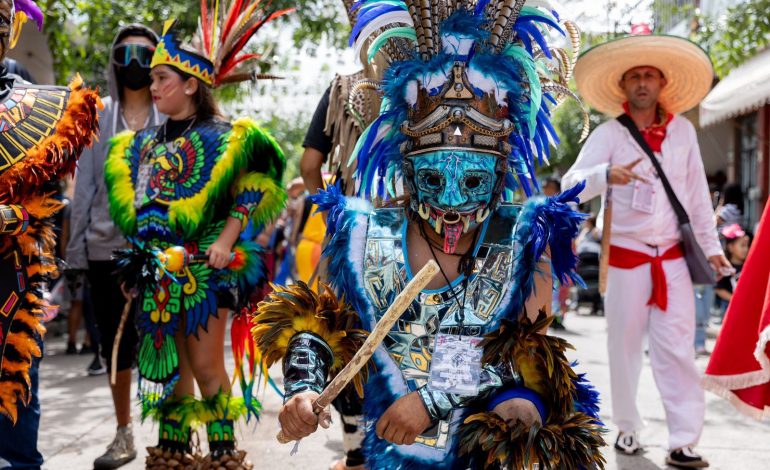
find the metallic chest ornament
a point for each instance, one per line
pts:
(410, 343)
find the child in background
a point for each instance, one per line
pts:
(736, 250)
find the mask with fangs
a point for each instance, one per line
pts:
(453, 190)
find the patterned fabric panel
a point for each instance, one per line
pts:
(27, 117)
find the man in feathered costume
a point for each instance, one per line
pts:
(466, 377)
(43, 129)
(196, 187)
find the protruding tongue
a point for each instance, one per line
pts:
(452, 234)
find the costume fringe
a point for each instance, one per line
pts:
(572, 433)
(760, 352)
(36, 245)
(57, 154)
(290, 310)
(20, 349)
(223, 406)
(724, 385)
(245, 351)
(573, 443)
(186, 410)
(350, 111)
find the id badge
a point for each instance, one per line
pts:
(643, 198)
(456, 365)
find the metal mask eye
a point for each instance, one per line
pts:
(430, 180)
(472, 182)
(477, 182)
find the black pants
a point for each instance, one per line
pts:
(108, 303)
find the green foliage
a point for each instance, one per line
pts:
(730, 38)
(568, 117)
(736, 36)
(289, 132)
(321, 21)
(80, 32)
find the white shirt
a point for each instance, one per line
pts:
(611, 143)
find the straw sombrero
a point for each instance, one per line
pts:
(685, 65)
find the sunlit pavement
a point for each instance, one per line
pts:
(77, 422)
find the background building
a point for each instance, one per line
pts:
(733, 121)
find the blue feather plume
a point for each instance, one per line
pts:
(546, 223)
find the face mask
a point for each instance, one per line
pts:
(133, 76)
(455, 190)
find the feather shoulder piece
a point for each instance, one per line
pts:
(546, 224)
(119, 171)
(259, 192)
(44, 129)
(295, 309)
(570, 436)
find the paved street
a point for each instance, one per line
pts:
(77, 420)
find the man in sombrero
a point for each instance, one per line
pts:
(650, 79)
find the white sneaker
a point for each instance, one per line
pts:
(628, 443)
(119, 452)
(686, 457)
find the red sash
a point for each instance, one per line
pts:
(624, 258)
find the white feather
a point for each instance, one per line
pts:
(411, 92)
(382, 132)
(456, 44)
(550, 5)
(400, 18)
(434, 81)
(487, 84)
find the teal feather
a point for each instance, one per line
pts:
(405, 32)
(523, 58)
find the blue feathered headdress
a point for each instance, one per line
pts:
(470, 75)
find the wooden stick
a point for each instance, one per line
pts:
(604, 257)
(116, 341)
(378, 334)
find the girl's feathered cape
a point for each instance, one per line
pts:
(42, 133)
(246, 160)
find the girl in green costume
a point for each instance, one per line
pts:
(208, 185)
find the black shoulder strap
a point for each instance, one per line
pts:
(629, 124)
